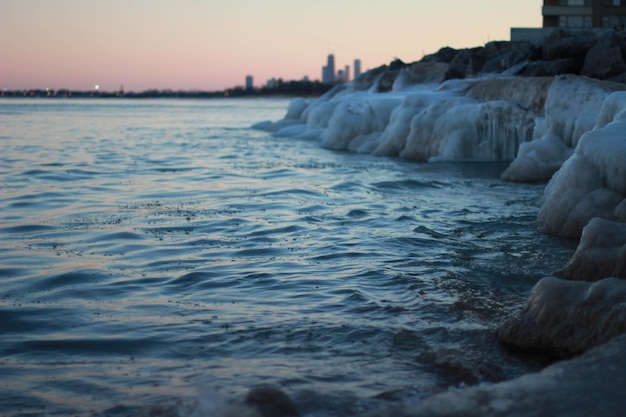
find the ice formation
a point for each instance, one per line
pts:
(536, 120)
(590, 385)
(564, 318)
(592, 183)
(601, 252)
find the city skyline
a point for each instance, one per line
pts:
(213, 44)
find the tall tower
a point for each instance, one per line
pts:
(249, 82)
(328, 72)
(357, 67)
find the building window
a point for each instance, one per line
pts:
(575, 21)
(615, 22)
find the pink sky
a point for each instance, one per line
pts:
(214, 44)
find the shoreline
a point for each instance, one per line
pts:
(568, 130)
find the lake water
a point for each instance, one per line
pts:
(157, 252)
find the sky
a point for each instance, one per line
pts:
(212, 45)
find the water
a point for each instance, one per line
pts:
(155, 250)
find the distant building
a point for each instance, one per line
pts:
(595, 15)
(328, 72)
(357, 67)
(346, 73)
(249, 82)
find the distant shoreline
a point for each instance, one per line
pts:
(282, 89)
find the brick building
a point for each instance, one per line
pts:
(584, 13)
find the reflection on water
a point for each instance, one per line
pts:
(154, 248)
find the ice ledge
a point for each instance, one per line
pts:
(589, 385)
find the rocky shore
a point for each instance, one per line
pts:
(558, 109)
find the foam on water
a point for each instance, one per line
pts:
(154, 248)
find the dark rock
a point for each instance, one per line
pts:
(551, 68)
(569, 45)
(562, 44)
(606, 58)
(424, 72)
(565, 318)
(366, 80)
(444, 55)
(271, 402)
(385, 75)
(501, 56)
(621, 78)
(467, 63)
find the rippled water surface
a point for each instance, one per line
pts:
(152, 251)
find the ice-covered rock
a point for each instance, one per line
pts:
(420, 73)
(538, 160)
(573, 106)
(528, 93)
(613, 109)
(601, 252)
(592, 183)
(564, 318)
(296, 108)
(537, 122)
(589, 385)
(462, 130)
(358, 115)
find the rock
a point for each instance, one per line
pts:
(621, 78)
(366, 80)
(467, 63)
(389, 75)
(590, 385)
(421, 73)
(444, 55)
(385, 76)
(564, 318)
(573, 45)
(601, 252)
(592, 183)
(551, 68)
(537, 160)
(271, 402)
(606, 58)
(501, 56)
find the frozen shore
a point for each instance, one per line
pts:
(569, 130)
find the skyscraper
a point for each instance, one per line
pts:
(328, 72)
(357, 67)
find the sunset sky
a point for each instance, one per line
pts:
(214, 44)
